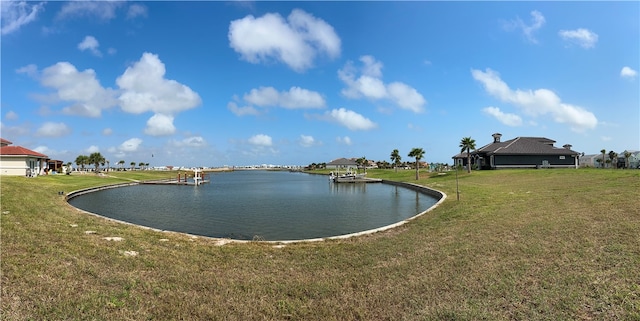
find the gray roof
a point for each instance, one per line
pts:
(343, 162)
(526, 145)
(522, 146)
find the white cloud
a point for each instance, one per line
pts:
(144, 89)
(295, 98)
(505, 118)
(295, 42)
(15, 14)
(90, 43)
(406, 97)
(627, 72)
(51, 129)
(193, 141)
(537, 21)
(92, 149)
(536, 102)
(367, 83)
(11, 115)
(103, 10)
(242, 111)
(349, 119)
(160, 125)
(585, 38)
(82, 89)
(107, 132)
(130, 145)
(344, 140)
(136, 10)
(112, 51)
(30, 70)
(261, 140)
(307, 141)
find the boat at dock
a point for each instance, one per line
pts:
(350, 177)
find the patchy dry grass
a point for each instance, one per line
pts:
(520, 245)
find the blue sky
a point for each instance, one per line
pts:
(293, 83)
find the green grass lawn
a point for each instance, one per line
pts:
(519, 245)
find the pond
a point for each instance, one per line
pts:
(264, 205)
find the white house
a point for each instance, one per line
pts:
(20, 161)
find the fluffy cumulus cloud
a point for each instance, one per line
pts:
(261, 140)
(160, 125)
(294, 98)
(15, 14)
(366, 82)
(11, 115)
(130, 145)
(51, 129)
(194, 141)
(584, 38)
(102, 10)
(30, 70)
(307, 141)
(136, 10)
(144, 89)
(349, 119)
(81, 88)
(528, 30)
(505, 118)
(90, 43)
(628, 73)
(92, 149)
(295, 41)
(343, 140)
(107, 132)
(537, 102)
(242, 110)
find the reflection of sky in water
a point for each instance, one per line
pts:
(271, 205)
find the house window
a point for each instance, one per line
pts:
(561, 157)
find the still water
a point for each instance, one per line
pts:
(266, 205)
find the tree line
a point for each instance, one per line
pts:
(96, 159)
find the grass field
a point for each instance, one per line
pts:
(519, 245)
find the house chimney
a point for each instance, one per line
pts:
(496, 137)
(567, 146)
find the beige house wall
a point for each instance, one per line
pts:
(18, 165)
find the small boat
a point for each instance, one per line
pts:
(346, 177)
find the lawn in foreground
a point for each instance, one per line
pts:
(521, 244)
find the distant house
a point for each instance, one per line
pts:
(520, 152)
(634, 159)
(591, 160)
(342, 164)
(19, 161)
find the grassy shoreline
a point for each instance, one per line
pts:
(521, 244)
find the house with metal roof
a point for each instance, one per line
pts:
(342, 163)
(19, 161)
(521, 152)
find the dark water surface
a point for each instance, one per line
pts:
(269, 205)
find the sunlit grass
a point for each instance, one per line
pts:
(520, 244)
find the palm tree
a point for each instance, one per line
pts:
(603, 151)
(141, 165)
(96, 159)
(613, 156)
(82, 160)
(627, 155)
(133, 165)
(121, 163)
(418, 153)
(395, 158)
(362, 162)
(467, 143)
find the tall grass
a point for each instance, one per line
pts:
(519, 245)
